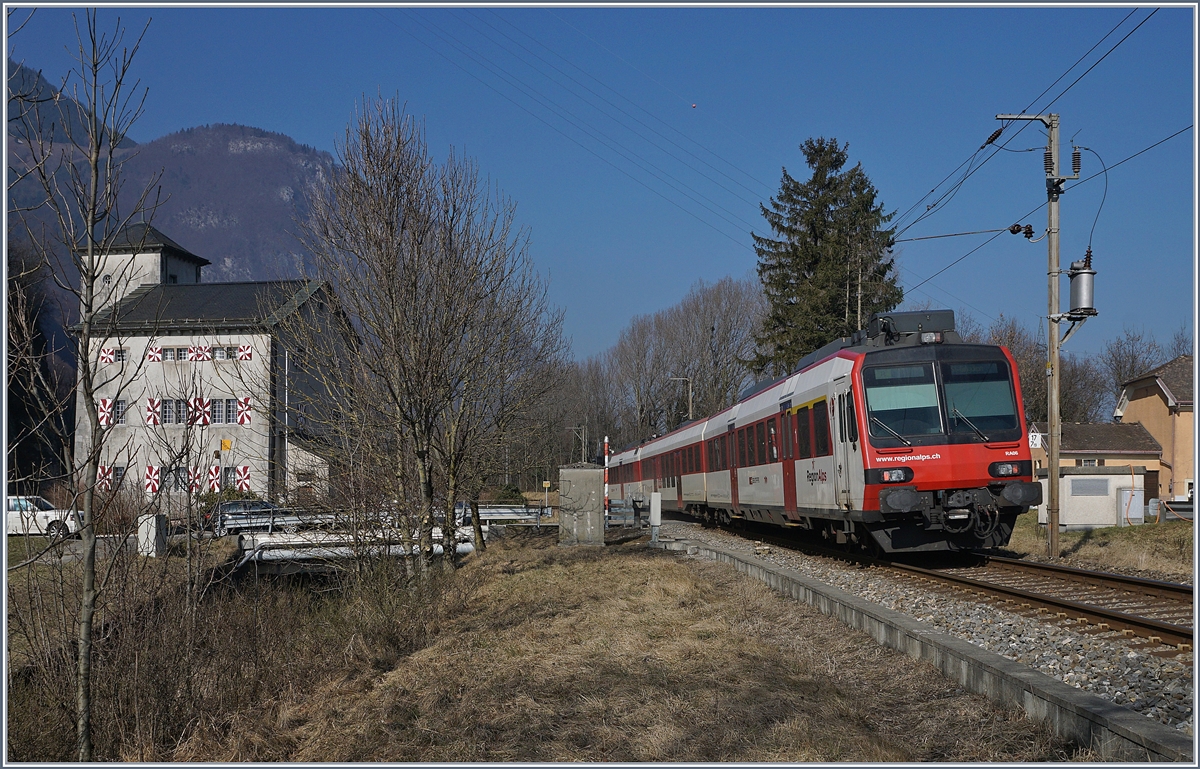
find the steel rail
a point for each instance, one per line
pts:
(1140, 585)
(1153, 630)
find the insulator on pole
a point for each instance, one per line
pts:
(1049, 159)
(1076, 161)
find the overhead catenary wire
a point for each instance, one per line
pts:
(1043, 205)
(998, 148)
(664, 87)
(634, 117)
(565, 135)
(571, 118)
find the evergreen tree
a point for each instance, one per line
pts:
(829, 269)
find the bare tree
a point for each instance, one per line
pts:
(435, 281)
(80, 181)
(1132, 353)
(1181, 343)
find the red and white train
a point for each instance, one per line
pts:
(901, 438)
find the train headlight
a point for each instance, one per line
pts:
(890, 475)
(931, 337)
(1007, 469)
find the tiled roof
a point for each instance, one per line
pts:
(1176, 376)
(1105, 438)
(190, 306)
(144, 237)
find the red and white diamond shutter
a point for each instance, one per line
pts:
(214, 478)
(242, 478)
(201, 411)
(104, 411)
(200, 352)
(195, 476)
(104, 477)
(243, 410)
(154, 354)
(245, 352)
(107, 355)
(153, 479)
(153, 411)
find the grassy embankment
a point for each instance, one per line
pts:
(1164, 549)
(530, 652)
(622, 654)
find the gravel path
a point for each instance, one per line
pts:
(1157, 687)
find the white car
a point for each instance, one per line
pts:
(34, 515)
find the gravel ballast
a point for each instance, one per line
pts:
(1103, 664)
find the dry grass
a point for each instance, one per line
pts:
(626, 654)
(1159, 550)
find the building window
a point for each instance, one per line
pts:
(218, 411)
(1086, 463)
(181, 353)
(231, 411)
(119, 412)
(168, 353)
(120, 355)
(221, 353)
(118, 476)
(179, 479)
(228, 477)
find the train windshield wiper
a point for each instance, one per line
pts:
(970, 424)
(903, 440)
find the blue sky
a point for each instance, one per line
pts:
(585, 118)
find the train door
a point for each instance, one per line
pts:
(732, 462)
(847, 456)
(679, 478)
(787, 454)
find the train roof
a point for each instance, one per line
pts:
(883, 330)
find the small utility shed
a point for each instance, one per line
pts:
(1101, 466)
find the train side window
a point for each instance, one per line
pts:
(742, 447)
(803, 433)
(761, 431)
(698, 458)
(772, 443)
(851, 418)
(786, 419)
(841, 407)
(821, 437)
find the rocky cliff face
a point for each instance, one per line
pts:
(233, 195)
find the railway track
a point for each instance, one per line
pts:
(1158, 613)
(1156, 616)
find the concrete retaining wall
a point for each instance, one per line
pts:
(1116, 733)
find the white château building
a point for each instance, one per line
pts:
(192, 379)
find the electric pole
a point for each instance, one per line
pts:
(1054, 190)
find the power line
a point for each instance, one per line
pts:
(565, 135)
(626, 113)
(636, 106)
(573, 119)
(929, 209)
(1043, 205)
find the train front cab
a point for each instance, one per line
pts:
(938, 445)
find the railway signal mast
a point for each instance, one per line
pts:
(1081, 275)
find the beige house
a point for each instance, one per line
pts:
(1161, 400)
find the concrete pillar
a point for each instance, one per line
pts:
(152, 535)
(655, 514)
(581, 505)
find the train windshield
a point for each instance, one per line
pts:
(902, 400)
(979, 396)
(974, 398)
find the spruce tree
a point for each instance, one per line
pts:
(829, 268)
